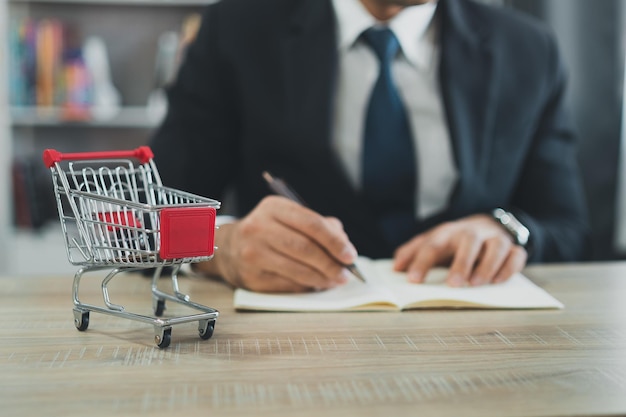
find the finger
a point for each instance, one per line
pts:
(319, 229)
(464, 260)
(428, 256)
(277, 264)
(496, 251)
(335, 223)
(305, 252)
(264, 243)
(271, 282)
(403, 255)
(272, 249)
(296, 257)
(514, 263)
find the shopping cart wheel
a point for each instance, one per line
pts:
(206, 328)
(81, 320)
(163, 338)
(159, 307)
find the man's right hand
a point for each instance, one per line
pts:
(282, 246)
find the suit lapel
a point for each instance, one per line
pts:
(466, 73)
(309, 67)
(309, 54)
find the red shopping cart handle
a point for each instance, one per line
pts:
(52, 156)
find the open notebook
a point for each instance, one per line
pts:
(389, 290)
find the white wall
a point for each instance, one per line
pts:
(5, 144)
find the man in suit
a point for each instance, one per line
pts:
(288, 86)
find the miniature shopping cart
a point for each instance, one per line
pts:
(116, 214)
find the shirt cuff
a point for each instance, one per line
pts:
(223, 219)
(220, 220)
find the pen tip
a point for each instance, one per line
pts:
(268, 177)
(357, 273)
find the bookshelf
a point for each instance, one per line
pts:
(130, 29)
(126, 117)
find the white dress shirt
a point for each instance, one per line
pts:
(415, 72)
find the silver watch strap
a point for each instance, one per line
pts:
(511, 224)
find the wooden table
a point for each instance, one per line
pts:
(426, 363)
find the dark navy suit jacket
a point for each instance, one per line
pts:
(256, 92)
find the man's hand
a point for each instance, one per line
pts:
(476, 248)
(282, 246)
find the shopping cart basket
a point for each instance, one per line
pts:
(116, 214)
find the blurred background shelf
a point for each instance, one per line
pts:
(132, 117)
(132, 32)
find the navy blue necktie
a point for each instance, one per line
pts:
(388, 155)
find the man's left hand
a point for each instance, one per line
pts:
(476, 248)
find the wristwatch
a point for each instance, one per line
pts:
(514, 227)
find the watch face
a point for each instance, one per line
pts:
(516, 229)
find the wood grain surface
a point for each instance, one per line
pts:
(426, 363)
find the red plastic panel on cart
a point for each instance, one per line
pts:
(117, 218)
(187, 232)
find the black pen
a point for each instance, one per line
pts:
(280, 187)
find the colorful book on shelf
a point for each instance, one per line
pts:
(47, 68)
(388, 290)
(49, 61)
(17, 80)
(22, 60)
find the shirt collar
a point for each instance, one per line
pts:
(410, 26)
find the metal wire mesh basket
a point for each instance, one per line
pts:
(116, 214)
